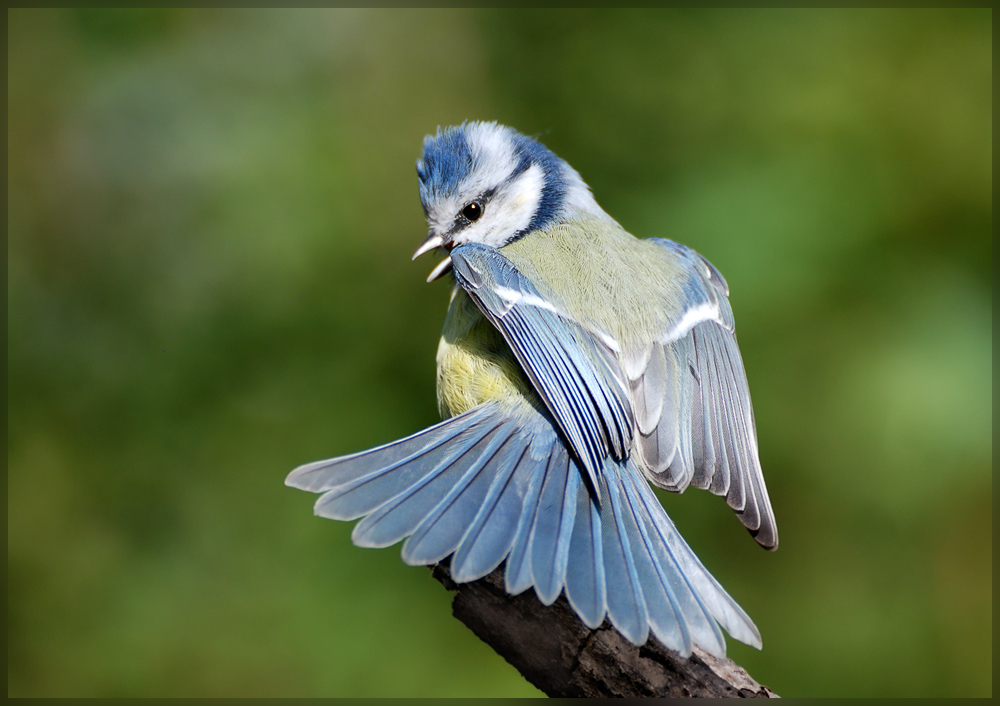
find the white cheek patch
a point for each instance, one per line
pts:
(512, 209)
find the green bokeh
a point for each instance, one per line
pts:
(210, 217)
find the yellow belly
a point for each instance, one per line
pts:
(474, 363)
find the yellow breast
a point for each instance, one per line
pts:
(474, 363)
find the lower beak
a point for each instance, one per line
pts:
(443, 267)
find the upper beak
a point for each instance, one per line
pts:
(434, 241)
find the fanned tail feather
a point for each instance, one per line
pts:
(493, 485)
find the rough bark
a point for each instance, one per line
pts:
(561, 656)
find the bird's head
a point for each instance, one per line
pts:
(486, 183)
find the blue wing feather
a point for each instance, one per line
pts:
(554, 379)
(578, 381)
(703, 434)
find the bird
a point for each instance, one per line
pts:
(578, 366)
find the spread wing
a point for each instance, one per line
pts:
(682, 402)
(694, 420)
(574, 371)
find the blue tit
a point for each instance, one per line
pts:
(577, 365)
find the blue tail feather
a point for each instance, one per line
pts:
(491, 534)
(400, 516)
(678, 572)
(337, 472)
(553, 525)
(491, 485)
(626, 604)
(666, 620)
(442, 529)
(517, 573)
(695, 578)
(356, 485)
(585, 585)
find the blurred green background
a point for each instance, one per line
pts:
(210, 222)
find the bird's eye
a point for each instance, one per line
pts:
(473, 211)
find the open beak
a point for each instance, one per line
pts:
(434, 241)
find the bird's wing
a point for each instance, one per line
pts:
(694, 421)
(575, 372)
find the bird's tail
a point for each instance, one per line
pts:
(492, 484)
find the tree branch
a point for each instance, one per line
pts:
(561, 656)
